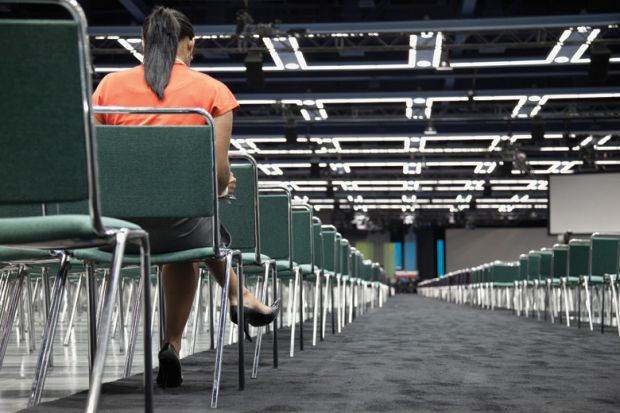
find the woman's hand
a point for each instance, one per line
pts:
(232, 183)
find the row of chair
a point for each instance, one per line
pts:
(70, 188)
(575, 281)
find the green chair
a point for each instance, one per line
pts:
(48, 153)
(521, 284)
(578, 259)
(330, 252)
(318, 261)
(241, 218)
(345, 276)
(545, 276)
(533, 283)
(603, 265)
(504, 275)
(559, 267)
(303, 253)
(276, 235)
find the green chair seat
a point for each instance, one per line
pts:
(249, 258)
(596, 279)
(503, 284)
(102, 257)
(572, 280)
(306, 269)
(43, 229)
(8, 255)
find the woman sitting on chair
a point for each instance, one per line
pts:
(165, 80)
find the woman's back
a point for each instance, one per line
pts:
(186, 88)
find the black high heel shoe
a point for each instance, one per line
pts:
(169, 374)
(254, 318)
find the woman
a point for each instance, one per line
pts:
(165, 80)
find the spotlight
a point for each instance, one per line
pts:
(243, 19)
(472, 204)
(315, 169)
(430, 130)
(330, 190)
(538, 130)
(290, 131)
(444, 62)
(254, 70)
(519, 162)
(487, 188)
(599, 62)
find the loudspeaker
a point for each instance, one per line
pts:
(290, 131)
(538, 131)
(254, 70)
(599, 62)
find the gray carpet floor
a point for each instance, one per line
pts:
(415, 354)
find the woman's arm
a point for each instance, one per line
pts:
(223, 130)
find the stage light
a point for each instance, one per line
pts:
(315, 169)
(538, 130)
(290, 131)
(599, 62)
(486, 192)
(254, 70)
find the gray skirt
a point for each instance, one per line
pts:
(172, 235)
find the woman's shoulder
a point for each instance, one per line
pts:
(124, 75)
(203, 78)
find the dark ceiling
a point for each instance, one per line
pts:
(356, 114)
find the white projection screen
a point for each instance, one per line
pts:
(585, 203)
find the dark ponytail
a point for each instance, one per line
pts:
(161, 31)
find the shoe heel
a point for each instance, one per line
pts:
(246, 330)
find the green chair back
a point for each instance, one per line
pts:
(560, 260)
(376, 272)
(578, 257)
(505, 272)
(345, 253)
(523, 270)
(43, 140)
(317, 233)
(329, 249)
(533, 265)
(135, 185)
(604, 255)
(546, 264)
(302, 236)
(238, 215)
(275, 226)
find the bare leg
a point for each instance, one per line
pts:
(180, 282)
(216, 268)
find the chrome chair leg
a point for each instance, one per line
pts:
(198, 305)
(136, 304)
(217, 371)
(47, 293)
(316, 307)
(49, 332)
(326, 297)
(259, 335)
(76, 300)
(31, 333)
(91, 289)
(587, 303)
(12, 309)
(294, 312)
(105, 326)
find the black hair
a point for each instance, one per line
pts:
(162, 30)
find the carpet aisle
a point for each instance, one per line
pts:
(415, 354)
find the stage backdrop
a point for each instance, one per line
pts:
(470, 247)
